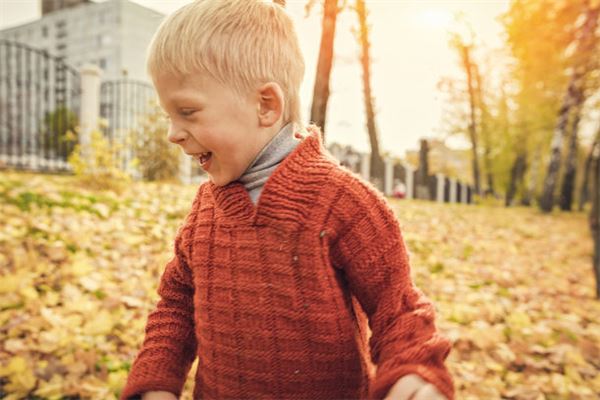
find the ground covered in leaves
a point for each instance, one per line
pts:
(79, 271)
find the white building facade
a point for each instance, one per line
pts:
(113, 35)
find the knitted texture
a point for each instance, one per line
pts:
(274, 299)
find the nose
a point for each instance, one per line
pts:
(176, 134)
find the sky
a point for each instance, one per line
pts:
(410, 54)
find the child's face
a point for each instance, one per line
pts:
(206, 116)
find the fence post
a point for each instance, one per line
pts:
(440, 187)
(410, 176)
(90, 106)
(365, 166)
(389, 177)
(452, 190)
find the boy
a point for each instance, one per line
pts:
(284, 254)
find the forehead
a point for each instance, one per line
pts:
(175, 87)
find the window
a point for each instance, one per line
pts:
(103, 40)
(44, 31)
(102, 63)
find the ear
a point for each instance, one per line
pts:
(270, 104)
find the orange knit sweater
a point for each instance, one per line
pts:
(274, 299)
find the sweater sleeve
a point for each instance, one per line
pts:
(370, 249)
(169, 347)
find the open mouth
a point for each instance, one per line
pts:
(204, 157)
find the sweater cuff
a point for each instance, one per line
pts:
(439, 377)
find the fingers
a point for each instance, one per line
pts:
(428, 392)
(405, 388)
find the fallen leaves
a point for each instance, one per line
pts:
(79, 271)
(78, 276)
(515, 295)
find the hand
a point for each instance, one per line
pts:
(413, 387)
(159, 396)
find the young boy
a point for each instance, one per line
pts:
(285, 255)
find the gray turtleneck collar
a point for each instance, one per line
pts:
(255, 177)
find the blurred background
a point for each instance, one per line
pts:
(480, 120)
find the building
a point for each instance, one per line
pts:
(40, 80)
(113, 34)
(49, 6)
(442, 159)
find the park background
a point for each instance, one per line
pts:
(479, 120)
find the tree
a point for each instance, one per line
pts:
(539, 71)
(464, 48)
(573, 99)
(584, 194)
(568, 181)
(484, 125)
(595, 213)
(377, 165)
(318, 109)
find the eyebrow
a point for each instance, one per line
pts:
(187, 101)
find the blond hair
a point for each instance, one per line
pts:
(239, 43)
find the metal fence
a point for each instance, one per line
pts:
(39, 105)
(124, 103)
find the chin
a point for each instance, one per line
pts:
(220, 181)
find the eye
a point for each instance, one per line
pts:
(186, 112)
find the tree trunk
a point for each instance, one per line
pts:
(516, 175)
(423, 172)
(583, 196)
(318, 109)
(467, 65)
(573, 96)
(485, 134)
(595, 215)
(568, 183)
(377, 166)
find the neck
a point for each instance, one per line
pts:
(267, 160)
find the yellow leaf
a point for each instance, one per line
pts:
(21, 382)
(518, 320)
(100, 324)
(574, 357)
(15, 366)
(52, 389)
(573, 374)
(117, 379)
(51, 298)
(89, 283)
(48, 341)
(81, 266)
(132, 301)
(9, 283)
(29, 293)
(15, 345)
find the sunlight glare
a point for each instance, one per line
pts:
(435, 18)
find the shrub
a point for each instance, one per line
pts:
(157, 158)
(99, 170)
